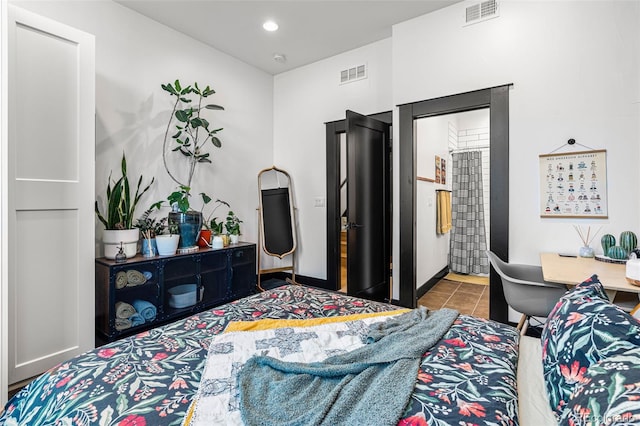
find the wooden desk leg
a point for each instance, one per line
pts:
(523, 318)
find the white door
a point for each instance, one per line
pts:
(50, 175)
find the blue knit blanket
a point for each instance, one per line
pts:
(368, 386)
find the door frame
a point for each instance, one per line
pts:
(333, 131)
(497, 100)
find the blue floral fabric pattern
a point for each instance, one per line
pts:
(609, 393)
(150, 379)
(582, 329)
(468, 378)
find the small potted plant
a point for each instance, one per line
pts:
(217, 239)
(232, 225)
(150, 227)
(119, 213)
(168, 243)
(206, 232)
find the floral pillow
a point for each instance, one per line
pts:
(609, 394)
(582, 329)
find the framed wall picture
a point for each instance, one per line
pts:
(437, 169)
(574, 184)
(443, 171)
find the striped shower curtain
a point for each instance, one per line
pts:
(468, 243)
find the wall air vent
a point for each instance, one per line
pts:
(480, 12)
(353, 74)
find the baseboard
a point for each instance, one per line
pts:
(431, 282)
(300, 279)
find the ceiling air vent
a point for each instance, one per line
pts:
(481, 12)
(353, 74)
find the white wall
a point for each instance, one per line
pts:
(305, 99)
(134, 56)
(432, 136)
(575, 70)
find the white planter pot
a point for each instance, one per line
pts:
(111, 239)
(167, 244)
(234, 238)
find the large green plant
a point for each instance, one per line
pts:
(193, 134)
(120, 205)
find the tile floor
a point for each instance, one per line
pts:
(466, 298)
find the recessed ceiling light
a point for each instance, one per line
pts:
(279, 57)
(270, 26)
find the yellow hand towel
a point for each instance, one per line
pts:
(443, 212)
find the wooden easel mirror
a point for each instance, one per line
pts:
(276, 217)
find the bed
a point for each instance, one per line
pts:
(152, 378)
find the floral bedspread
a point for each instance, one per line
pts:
(150, 378)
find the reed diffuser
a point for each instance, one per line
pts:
(587, 237)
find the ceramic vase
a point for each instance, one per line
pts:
(586, 251)
(149, 247)
(234, 238)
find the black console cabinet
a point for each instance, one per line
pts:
(220, 276)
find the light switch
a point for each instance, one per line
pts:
(319, 202)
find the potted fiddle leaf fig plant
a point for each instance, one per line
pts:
(119, 214)
(193, 134)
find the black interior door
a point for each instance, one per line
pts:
(368, 208)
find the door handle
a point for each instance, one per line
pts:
(353, 225)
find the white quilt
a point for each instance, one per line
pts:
(217, 400)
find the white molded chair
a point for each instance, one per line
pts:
(525, 289)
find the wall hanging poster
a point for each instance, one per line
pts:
(574, 184)
(437, 169)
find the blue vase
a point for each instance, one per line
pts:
(189, 225)
(149, 247)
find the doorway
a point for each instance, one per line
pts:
(359, 205)
(497, 100)
(452, 195)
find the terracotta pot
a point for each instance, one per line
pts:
(205, 238)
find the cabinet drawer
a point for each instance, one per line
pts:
(243, 256)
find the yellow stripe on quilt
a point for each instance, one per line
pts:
(269, 323)
(190, 411)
